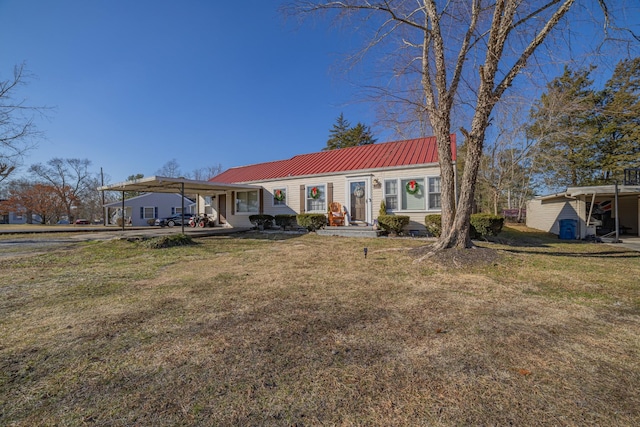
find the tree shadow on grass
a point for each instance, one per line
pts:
(552, 252)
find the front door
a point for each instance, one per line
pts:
(358, 201)
(222, 209)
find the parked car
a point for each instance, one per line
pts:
(82, 222)
(176, 219)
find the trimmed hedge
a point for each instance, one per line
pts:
(285, 220)
(262, 220)
(311, 222)
(393, 223)
(433, 223)
(483, 225)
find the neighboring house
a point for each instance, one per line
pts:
(403, 174)
(139, 210)
(591, 209)
(17, 217)
(14, 218)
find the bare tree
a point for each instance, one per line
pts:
(71, 179)
(206, 173)
(17, 130)
(443, 50)
(170, 169)
(504, 173)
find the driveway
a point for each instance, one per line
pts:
(35, 240)
(631, 243)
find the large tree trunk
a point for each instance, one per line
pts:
(457, 234)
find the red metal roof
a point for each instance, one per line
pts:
(420, 151)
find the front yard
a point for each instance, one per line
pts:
(304, 330)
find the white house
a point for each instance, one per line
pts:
(403, 174)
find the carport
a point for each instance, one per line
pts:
(163, 184)
(579, 204)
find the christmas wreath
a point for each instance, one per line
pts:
(412, 187)
(314, 193)
(279, 195)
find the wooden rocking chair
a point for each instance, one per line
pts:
(336, 214)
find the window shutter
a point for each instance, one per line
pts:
(141, 212)
(261, 201)
(329, 193)
(303, 199)
(155, 212)
(173, 211)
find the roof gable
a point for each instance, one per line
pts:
(420, 151)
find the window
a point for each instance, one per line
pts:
(316, 199)
(413, 199)
(412, 194)
(434, 193)
(148, 212)
(279, 197)
(176, 210)
(391, 194)
(247, 202)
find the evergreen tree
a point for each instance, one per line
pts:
(342, 135)
(619, 122)
(564, 127)
(359, 135)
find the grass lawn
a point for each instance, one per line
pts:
(303, 330)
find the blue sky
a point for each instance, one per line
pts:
(138, 83)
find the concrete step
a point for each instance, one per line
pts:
(349, 231)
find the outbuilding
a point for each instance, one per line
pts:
(583, 212)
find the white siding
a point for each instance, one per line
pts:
(339, 182)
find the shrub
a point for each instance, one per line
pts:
(261, 221)
(312, 222)
(433, 223)
(285, 220)
(393, 223)
(168, 241)
(483, 225)
(151, 221)
(383, 208)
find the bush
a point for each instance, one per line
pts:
(151, 221)
(285, 220)
(383, 208)
(261, 221)
(483, 225)
(311, 222)
(168, 241)
(393, 223)
(433, 223)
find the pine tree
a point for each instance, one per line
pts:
(564, 128)
(342, 135)
(619, 122)
(337, 134)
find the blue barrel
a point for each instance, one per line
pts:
(568, 229)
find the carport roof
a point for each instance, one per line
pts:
(163, 184)
(598, 190)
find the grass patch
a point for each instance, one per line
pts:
(263, 330)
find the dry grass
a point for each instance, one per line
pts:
(306, 331)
